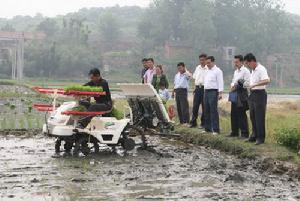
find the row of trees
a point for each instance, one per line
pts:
(75, 42)
(251, 25)
(78, 41)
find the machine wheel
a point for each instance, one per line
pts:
(96, 147)
(128, 144)
(83, 145)
(57, 145)
(68, 145)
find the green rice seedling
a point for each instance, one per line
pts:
(83, 88)
(118, 114)
(79, 108)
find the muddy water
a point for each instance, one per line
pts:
(171, 171)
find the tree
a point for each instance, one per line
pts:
(8, 27)
(161, 21)
(109, 28)
(250, 24)
(197, 24)
(48, 26)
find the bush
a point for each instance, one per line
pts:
(289, 137)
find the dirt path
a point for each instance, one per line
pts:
(172, 171)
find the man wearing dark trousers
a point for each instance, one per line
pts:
(103, 103)
(258, 99)
(181, 85)
(198, 76)
(213, 86)
(239, 100)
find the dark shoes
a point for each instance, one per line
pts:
(252, 140)
(259, 143)
(192, 126)
(201, 127)
(232, 135)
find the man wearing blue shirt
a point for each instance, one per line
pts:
(180, 92)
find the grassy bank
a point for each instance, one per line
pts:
(284, 115)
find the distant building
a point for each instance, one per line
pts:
(228, 53)
(176, 48)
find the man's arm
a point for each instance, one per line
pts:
(220, 84)
(173, 92)
(233, 85)
(265, 79)
(247, 75)
(195, 75)
(261, 83)
(145, 77)
(188, 74)
(107, 91)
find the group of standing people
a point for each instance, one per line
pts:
(154, 75)
(208, 90)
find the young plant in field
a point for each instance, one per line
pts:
(118, 114)
(12, 107)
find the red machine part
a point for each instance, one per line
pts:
(77, 113)
(43, 107)
(68, 93)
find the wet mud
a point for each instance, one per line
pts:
(168, 171)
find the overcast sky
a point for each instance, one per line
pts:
(10, 8)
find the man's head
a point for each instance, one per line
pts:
(238, 61)
(210, 61)
(150, 63)
(144, 62)
(95, 75)
(181, 67)
(250, 61)
(202, 59)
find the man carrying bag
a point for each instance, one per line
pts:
(238, 97)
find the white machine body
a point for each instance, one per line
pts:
(107, 130)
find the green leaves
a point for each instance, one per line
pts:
(289, 137)
(78, 87)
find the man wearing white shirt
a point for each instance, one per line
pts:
(213, 90)
(258, 99)
(148, 76)
(198, 76)
(239, 106)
